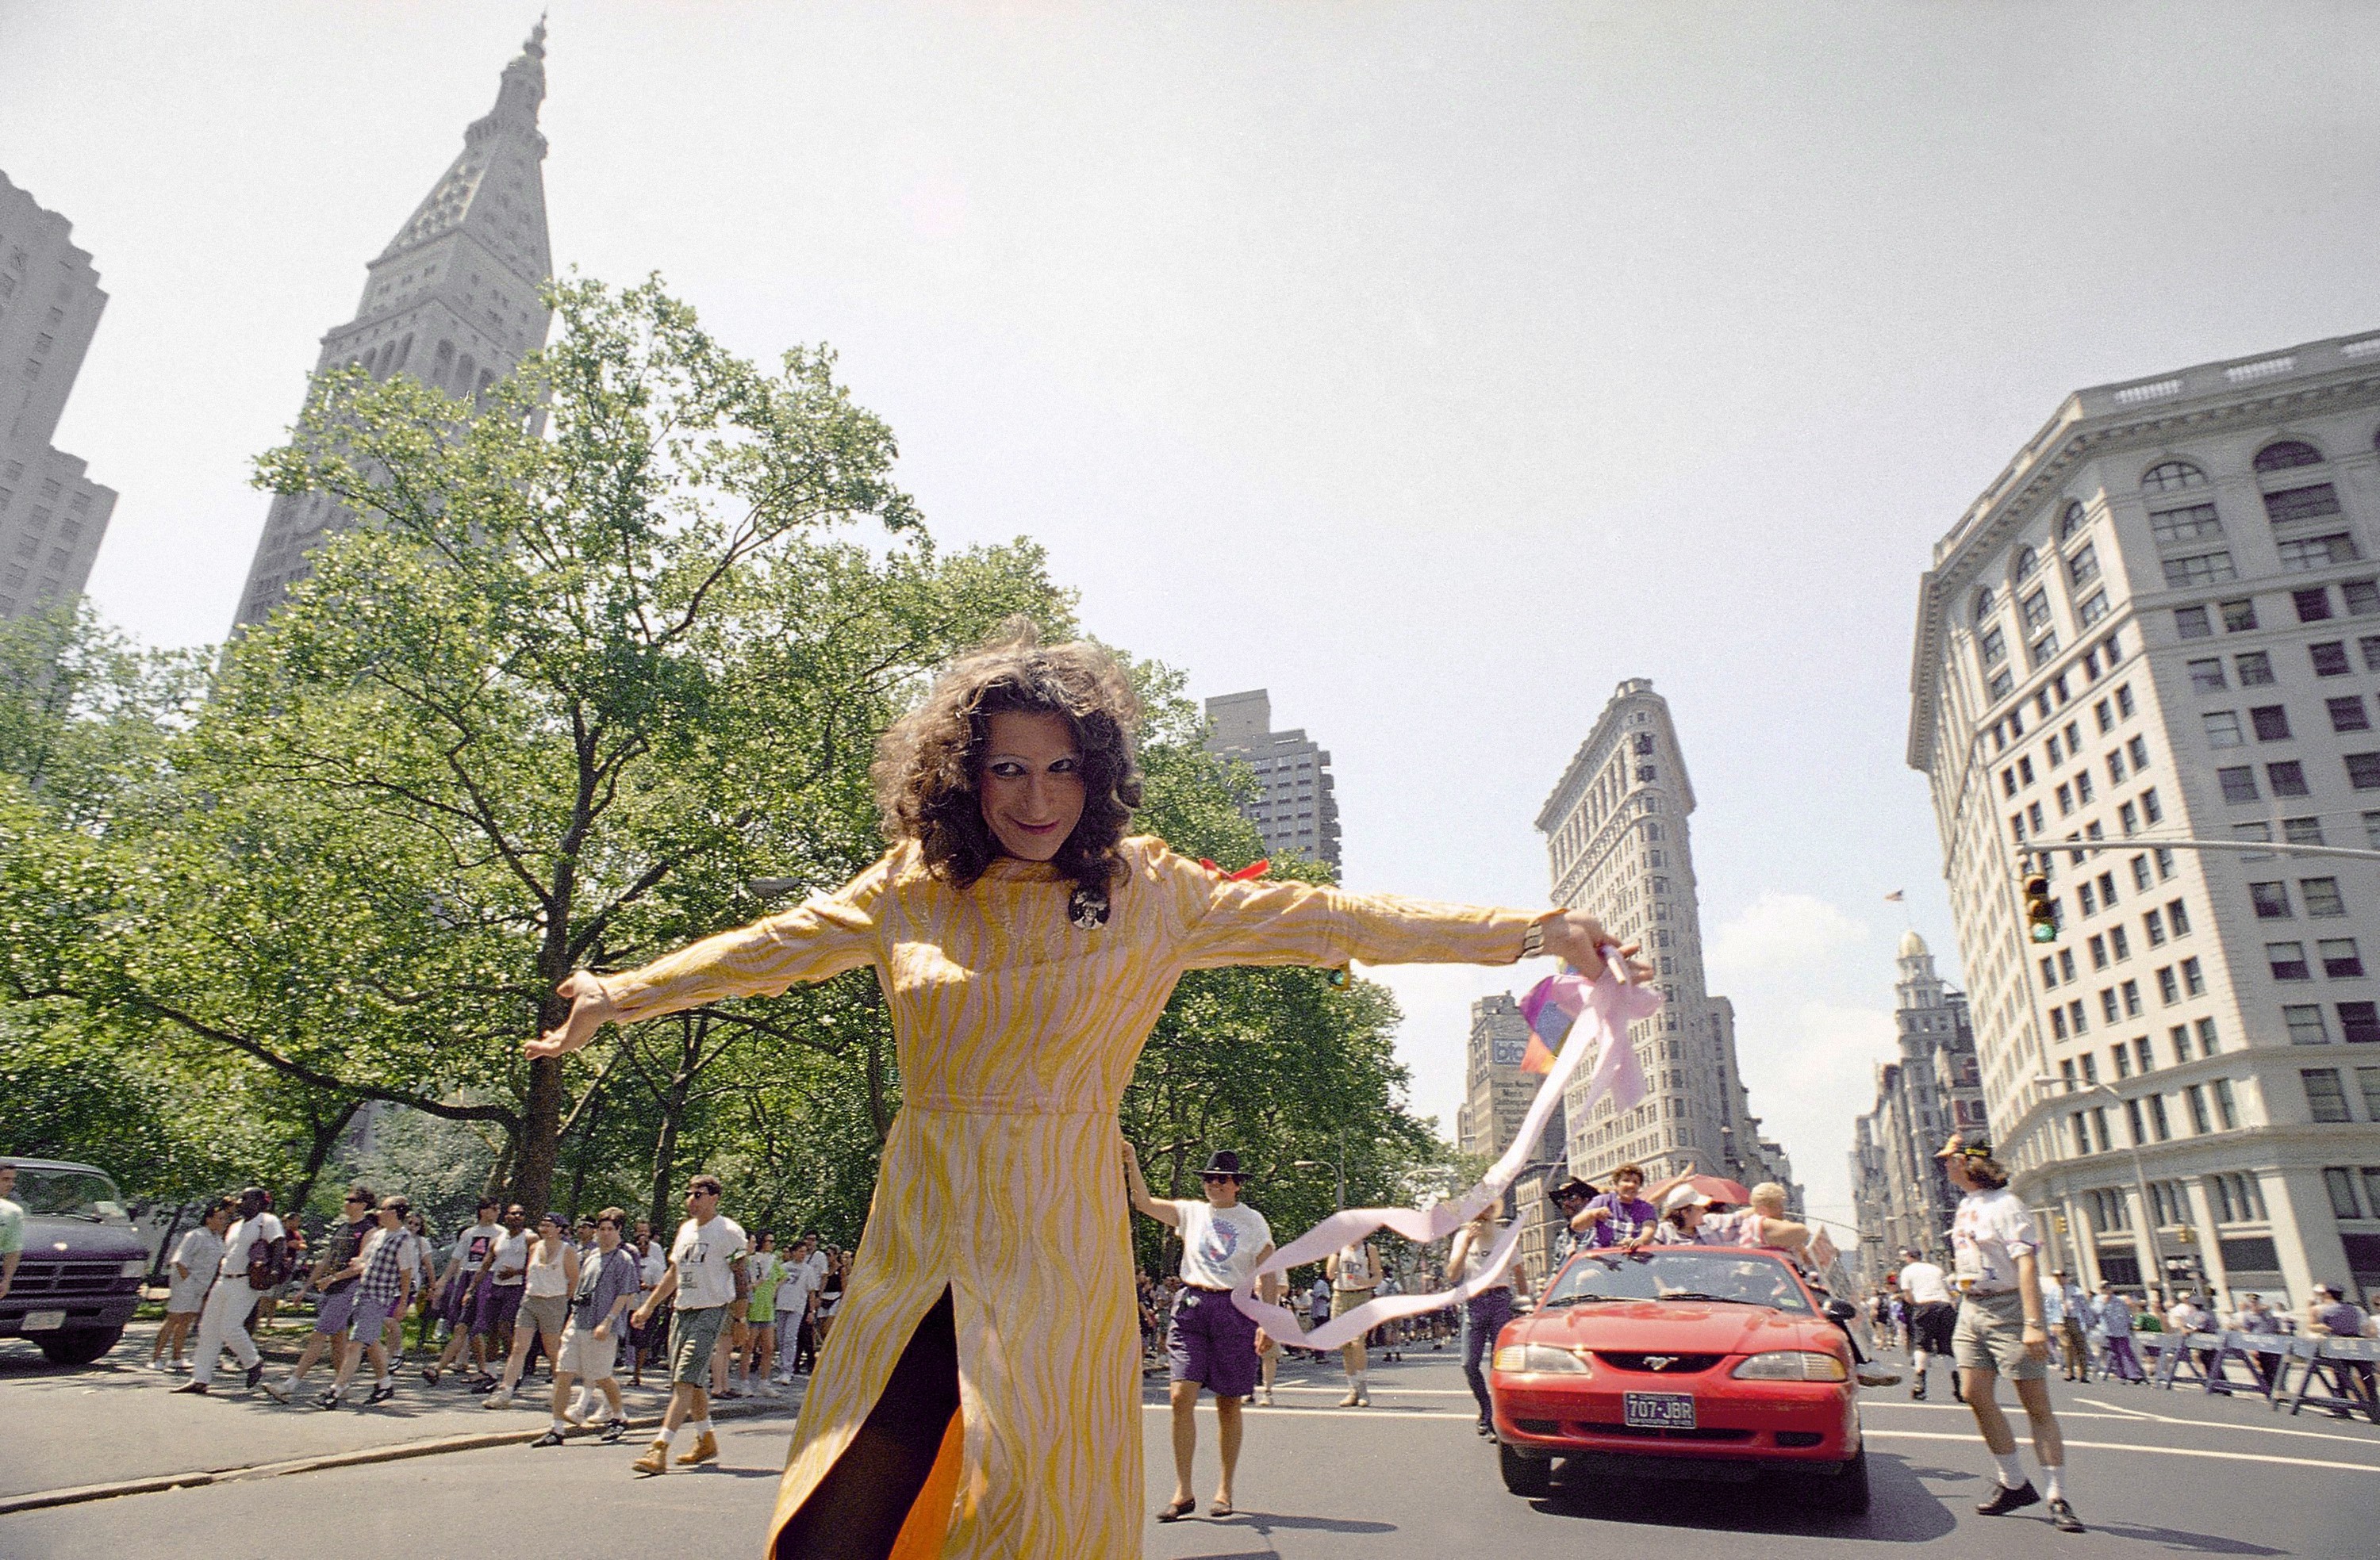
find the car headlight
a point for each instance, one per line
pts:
(1792, 1365)
(1539, 1357)
(134, 1266)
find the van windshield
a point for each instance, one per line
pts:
(68, 1194)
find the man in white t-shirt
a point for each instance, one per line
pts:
(2002, 1329)
(452, 1294)
(222, 1322)
(1354, 1276)
(1933, 1315)
(804, 1271)
(1209, 1342)
(708, 1283)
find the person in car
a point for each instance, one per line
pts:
(1621, 1217)
(1685, 1220)
(1763, 1224)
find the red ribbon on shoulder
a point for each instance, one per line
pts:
(1245, 875)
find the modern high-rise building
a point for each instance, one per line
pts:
(2160, 621)
(51, 515)
(1930, 1089)
(454, 300)
(1297, 811)
(1616, 831)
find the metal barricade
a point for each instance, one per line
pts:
(2266, 1356)
(2336, 1374)
(2181, 1359)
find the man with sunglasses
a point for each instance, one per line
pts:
(706, 1279)
(384, 1272)
(1208, 1343)
(608, 1282)
(337, 1286)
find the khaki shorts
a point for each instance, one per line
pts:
(1990, 1337)
(584, 1354)
(1344, 1300)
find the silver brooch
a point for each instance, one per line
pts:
(1088, 909)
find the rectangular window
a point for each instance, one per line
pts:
(2329, 659)
(2066, 963)
(2084, 567)
(2255, 669)
(2368, 1080)
(2085, 896)
(2161, 1129)
(2178, 912)
(2037, 611)
(2033, 815)
(2288, 961)
(2024, 770)
(2200, 1122)
(2363, 598)
(2142, 1053)
(2048, 973)
(2123, 1060)
(2116, 768)
(2002, 684)
(2124, 701)
(2340, 959)
(2313, 501)
(2132, 1119)
(2169, 526)
(2272, 722)
(1995, 646)
(2363, 771)
(2103, 713)
(2192, 979)
(2199, 568)
(2313, 606)
(2141, 872)
(2094, 608)
(2151, 808)
(2119, 943)
(2139, 748)
(2206, 676)
(2082, 1132)
(2338, 1181)
(2190, 622)
(2254, 831)
(2348, 714)
(2042, 651)
(2079, 1021)
(2226, 1109)
(2206, 1045)
(2132, 992)
(2128, 818)
(2223, 728)
(2301, 832)
(2287, 779)
(2007, 782)
(2318, 552)
(2305, 1025)
(2168, 989)
(2359, 1024)
(2065, 799)
(2322, 896)
(2272, 902)
(2324, 1095)
(2154, 923)
(2108, 1004)
(2370, 647)
(2057, 1023)
(2083, 786)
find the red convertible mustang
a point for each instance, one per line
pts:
(1699, 1363)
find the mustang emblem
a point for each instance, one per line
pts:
(1659, 1361)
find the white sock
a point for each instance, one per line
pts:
(2011, 1470)
(702, 1427)
(1917, 1358)
(2053, 1481)
(559, 1426)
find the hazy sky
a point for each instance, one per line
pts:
(1436, 367)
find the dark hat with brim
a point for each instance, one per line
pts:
(1224, 1162)
(1572, 1188)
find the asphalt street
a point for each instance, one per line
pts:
(2152, 1472)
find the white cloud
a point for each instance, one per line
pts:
(1777, 934)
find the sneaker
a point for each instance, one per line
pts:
(655, 1460)
(180, 1367)
(1918, 1393)
(382, 1392)
(1363, 1399)
(2063, 1515)
(281, 1391)
(196, 1389)
(255, 1374)
(550, 1438)
(499, 1398)
(1352, 1398)
(613, 1430)
(2005, 1500)
(330, 1399)
(1268, 1398)
(705, 1449)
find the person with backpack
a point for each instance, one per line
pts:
(336, 1309)
(383, 1269)
(255, 1261)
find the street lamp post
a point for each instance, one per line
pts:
(1338, 1167)
(2144, 1239)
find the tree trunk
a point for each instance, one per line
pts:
(672, 1104)
(318, 1153)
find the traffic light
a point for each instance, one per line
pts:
(2040, 910)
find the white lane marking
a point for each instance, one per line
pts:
(1399, 1391)
(1388, 1414)
(2216, 1424)
(2153, 1451)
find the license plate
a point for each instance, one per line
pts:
(1657, 1410)
(44, 1321)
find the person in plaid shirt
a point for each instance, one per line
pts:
(386, 1263)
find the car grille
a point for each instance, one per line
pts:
(1643, 1433)
(1675, 1364)
(37, 1275)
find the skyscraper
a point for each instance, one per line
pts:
(1298, 812)
(452, 300)
(1930, 1089)
(1616, 832)
(2160, 621)
(51, 515)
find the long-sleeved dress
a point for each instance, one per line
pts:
(1017, 1032)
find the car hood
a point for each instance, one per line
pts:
(1681, 1327)
(80, 1240)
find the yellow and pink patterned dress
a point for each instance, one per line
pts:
(1017, 1031)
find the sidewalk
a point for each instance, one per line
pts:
(111, 1421)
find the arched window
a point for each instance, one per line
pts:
(1984, 604)
(404, 350)
(440, 365)
(487, 378)
(2166, 476)
(464, 371)
(2072, 521)
(2026, 561)
(2286, 453)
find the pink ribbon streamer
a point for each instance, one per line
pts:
(1611, 1007)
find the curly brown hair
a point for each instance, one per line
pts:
(929, 762)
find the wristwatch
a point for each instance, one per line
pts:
(1532, 941)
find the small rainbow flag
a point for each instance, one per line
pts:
(1551, 1007)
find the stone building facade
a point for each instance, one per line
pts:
(454, 300)
(51, 516)
(2162, 621)
(1617, 836)
(1298, 811)
(1932, 1087)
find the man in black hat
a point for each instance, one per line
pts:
(1571, 1197)
(1208, 1343)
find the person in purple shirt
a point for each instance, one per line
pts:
(1619, 1216)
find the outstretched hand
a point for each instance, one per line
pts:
(1578, 939)
(591, 1009)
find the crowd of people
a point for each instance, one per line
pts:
(723, 1315)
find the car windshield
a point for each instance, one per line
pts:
(1742, 1278)
(68, 1194)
